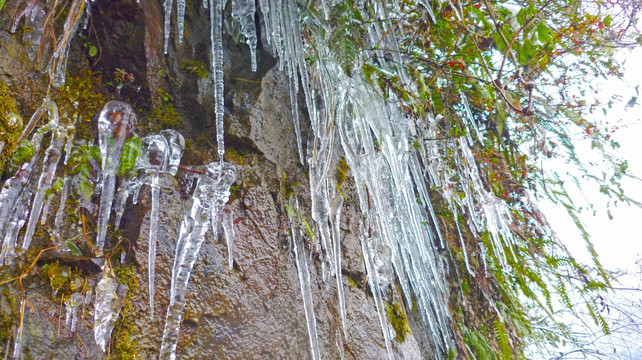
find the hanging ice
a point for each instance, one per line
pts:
(180, 14)
(243, 12)
(115, 125)
(50, 164)
(155, 156)
(216, 34)
(110, 298)
(227, 220)
(211, 193)
(58, 63)
(71, 309)
(304, 280)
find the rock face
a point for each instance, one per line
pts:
(255, 309)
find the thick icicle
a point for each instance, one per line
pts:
(110, 298)
(211, 194)
(243, 12)
(115, 124)
(50, 163)
(304, 281)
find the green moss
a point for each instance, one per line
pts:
(125, 348)
(352, 283)
(164, 116)
(58, 275)
(236, 156)
(341, 174)
(235, 191)
(10, 315)
(81, 99)
(398, 321)
(10, 128)
(286, 187)
(195, 67)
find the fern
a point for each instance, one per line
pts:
(80, 166)
(501, 335)
(131, 151)
(597, 317)
(348, 35)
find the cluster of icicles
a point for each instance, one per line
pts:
(399, 232)
(26, 198)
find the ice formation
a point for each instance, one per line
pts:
(211, 193)
(161, 153)
(304, 278)
(243, 12)
(71, 309)
(115, 125)
(110, 298)
(352, 121)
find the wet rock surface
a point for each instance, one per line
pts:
(255, 309)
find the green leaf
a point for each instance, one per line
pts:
(93, 51)
(75, 251)
(1, 4)
(544, 33)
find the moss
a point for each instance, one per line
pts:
(164, 116)
(341, 174)
(125, 348)
(10, 315)
(236, 156)
(195, 67)
(352, 283)
(286, 187)
(235, 191)
(58, 275)
(398, 321)
(9, 130)
(81, 99)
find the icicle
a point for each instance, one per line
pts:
(227, 220)
(167, 6)
(58, 63)
(373, 281)
(153, 225)
(110, 298)
(335, 216)
(180, 4)
(243, 12)
(156, 154)
(304, 281)
(211, 193)
(71, 310)
(60, 214)
(115, 124)
(50, 163)
(14, 225)
(216, 18)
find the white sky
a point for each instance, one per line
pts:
(618, 241)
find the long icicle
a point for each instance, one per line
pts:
(211, 194)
